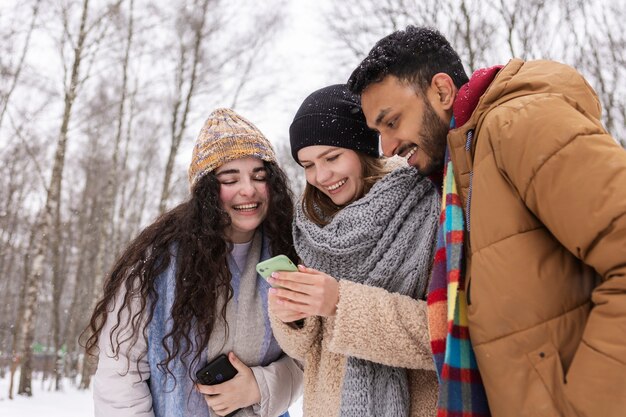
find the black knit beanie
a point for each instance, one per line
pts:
(332, 116)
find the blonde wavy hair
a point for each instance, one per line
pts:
(320, 209)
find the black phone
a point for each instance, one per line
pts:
(217, 371)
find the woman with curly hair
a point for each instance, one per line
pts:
(186, 290)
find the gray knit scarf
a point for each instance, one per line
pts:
(385, 239)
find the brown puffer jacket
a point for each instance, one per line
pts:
(546, 254)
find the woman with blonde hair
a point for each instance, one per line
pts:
(356, 312)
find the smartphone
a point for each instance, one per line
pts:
(217, 371)
(277, 263)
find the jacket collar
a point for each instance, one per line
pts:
(470, 93)
(471, 104)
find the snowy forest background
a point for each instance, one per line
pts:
(101, 101)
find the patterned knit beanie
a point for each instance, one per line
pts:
(226, 136)
(332, 116)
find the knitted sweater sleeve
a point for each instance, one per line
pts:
(382, 327)
(296, 342)
(120, 387)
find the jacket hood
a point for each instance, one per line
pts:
(519, 78)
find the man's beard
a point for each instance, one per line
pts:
(432, 137)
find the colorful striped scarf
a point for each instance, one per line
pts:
(461, 391)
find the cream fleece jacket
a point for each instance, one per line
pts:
(371, 324)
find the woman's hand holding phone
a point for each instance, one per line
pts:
(305, 293)
(239, 392)
(284, 314)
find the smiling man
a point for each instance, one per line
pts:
(529, 308)
(407, 121)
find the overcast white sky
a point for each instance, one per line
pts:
(303, 47)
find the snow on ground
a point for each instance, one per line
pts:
(69, 403)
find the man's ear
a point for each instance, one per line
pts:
(444, 90)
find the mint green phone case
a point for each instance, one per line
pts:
(277, 263)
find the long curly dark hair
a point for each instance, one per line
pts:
(197, 227)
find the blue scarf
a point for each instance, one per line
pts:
(177, 396)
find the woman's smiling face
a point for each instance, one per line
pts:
(336, 172)
(244, 196)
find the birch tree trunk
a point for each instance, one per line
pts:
(46, 223)
(78, 306)
(15, 358)
(106, 222)
(58, 281)
(183, 98)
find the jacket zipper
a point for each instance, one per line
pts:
(468, 202)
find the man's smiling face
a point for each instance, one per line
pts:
(408, 124)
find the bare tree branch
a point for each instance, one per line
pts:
(4, 101)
